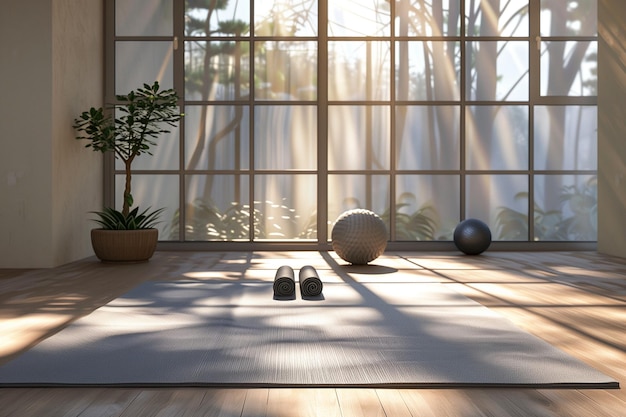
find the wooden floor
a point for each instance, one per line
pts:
(574, 300)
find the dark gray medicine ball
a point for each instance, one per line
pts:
(472, 236)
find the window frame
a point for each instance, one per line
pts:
(324, 105)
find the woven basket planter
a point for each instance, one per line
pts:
(124, 245)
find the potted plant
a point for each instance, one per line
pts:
(128, 129)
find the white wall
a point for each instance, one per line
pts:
(612, 128)
(52, 68)
(77, 84)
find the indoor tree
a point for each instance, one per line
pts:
(129, 129)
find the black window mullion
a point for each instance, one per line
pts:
(322, 124)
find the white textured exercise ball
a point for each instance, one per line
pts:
(359, 236)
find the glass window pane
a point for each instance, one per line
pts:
(217, 207)
(285, 70)
(499, 71)
(427, 206)
(569, 68)
(285, 137)
(496, 18)
(217, 137)
(427, 137)
(497, 137)
(501, 201)
(144, 195)
(137, 63)
(143, 18)
(427, 71)
(281, 18)
(566, 207)
(222, 75)
(347, 192)
(358, 137)
(569, 18)
(433, 18)
(285, 207)
(217, 18)
(358, 18)
(358, 70)
(566, 137)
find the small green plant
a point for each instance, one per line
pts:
(583, 204)
(417, 226)
(420, 225)
(206, 221)
(576, 220)
(129, 129)
(112, 219)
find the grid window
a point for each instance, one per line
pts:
(425, 112)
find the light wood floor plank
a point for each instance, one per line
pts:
(255, 404)
(184, 402)
(359, 402)
(573, 403)
(300, 402)
(219, 402)
(319, 402)
(442, 403)
(393, 403)
(50, 403)
(108, 402)
(148, 403)
(17, 401)
(418, 405)
(509, 403)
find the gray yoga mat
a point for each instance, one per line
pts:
(234, 333)
(284, 282)
(310, 283)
